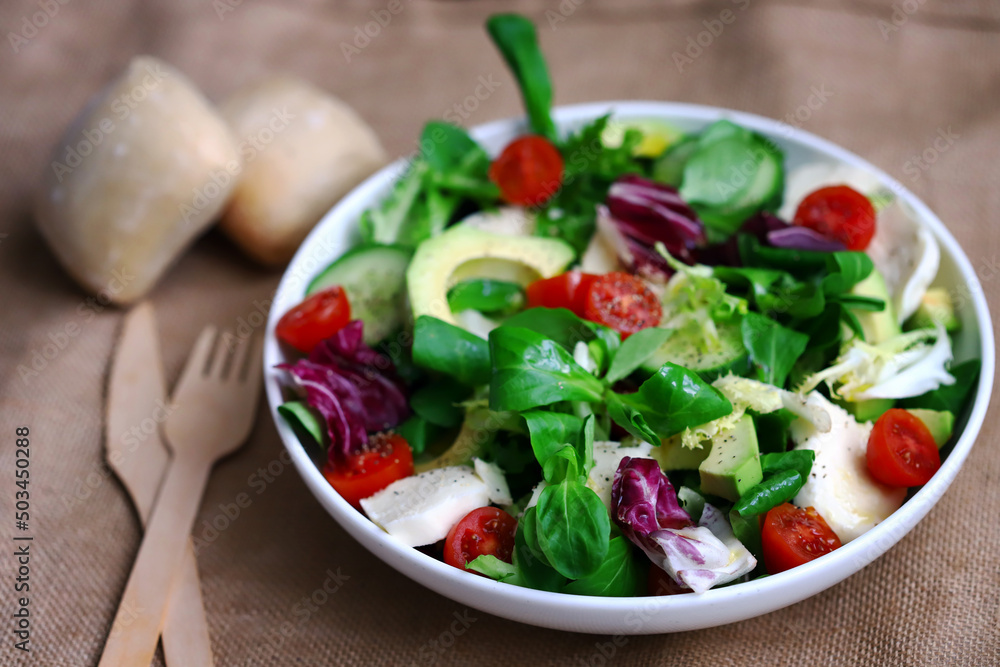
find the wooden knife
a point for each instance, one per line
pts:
(137, 405)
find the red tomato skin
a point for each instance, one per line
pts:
(839, 212)
(315, 319)
(623, 302)
(901, 450)
(567, 290)
(485, 530)
(387, 458)
(792, 536)
(528, 171)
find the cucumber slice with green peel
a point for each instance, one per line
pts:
(689, 351)
(307, 425)
(374, 278)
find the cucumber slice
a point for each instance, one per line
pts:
(374, 277)
(308, 426)
(689, 351)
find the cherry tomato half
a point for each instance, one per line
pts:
(841, 213)
(386, 458)
(792, 536)
(901, 450)
(315, 319)
(623, 302)
(529, 171)
(483, 531)
(567, 290)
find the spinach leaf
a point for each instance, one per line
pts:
(630, 419)
(437, 403)
(550, 431)
(634, 350)
(619, 575)
(447, 349)
(494, 568)
(950, 397)
(800, 460)
(773, 348)
(562, 464)
(573, 528)
(448, 147)
(530, 370)
(384, 222)
(747, 530)
(797, 262)
(515, 37)
(531, 563)
(419, 433)
(674, 399)
(564, 327)
(846, 269)
(772, 430)
(779, 488)
(585, 445)
(590, 169)
(486, 296)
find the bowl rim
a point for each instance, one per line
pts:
(781, 589)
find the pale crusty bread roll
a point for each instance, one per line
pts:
(141, 172)
(302, 151)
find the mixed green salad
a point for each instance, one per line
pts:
(627, 359)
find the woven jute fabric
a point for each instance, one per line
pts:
(884, 80)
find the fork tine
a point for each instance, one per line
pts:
(197, 362)
(238, 360)
(224, 348)
(254, 362)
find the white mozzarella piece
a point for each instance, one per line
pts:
(607, 456)
(421, 509)
(509, 221)
(907, 255)
(496, 483)
(839, 486)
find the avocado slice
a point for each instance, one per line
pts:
(672, 455)
(878, 327)
(733, 462)
(462, 253)
(941, 423)
(935, 308)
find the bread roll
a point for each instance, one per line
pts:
(303, 150)
(141, 172)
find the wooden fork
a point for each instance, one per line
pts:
(212, 414)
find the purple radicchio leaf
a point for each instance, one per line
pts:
(803, 238)
(727, 253)
(644, 213)
(354, 387)
(645, 507)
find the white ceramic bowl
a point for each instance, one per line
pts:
(337, 231)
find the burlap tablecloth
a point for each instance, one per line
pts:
(883, 80)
